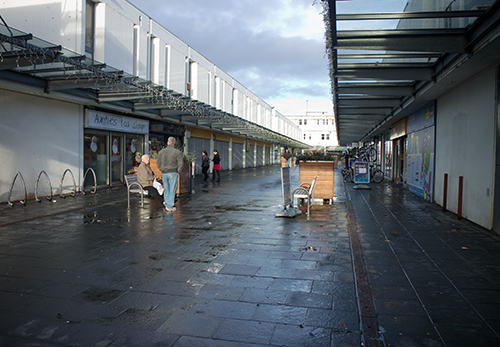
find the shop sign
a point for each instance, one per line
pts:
(399, 129)
(361, 172)
(112, 122)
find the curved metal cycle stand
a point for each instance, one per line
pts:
(95, 180)
(36, 187)
(62, 180)
(12, 186)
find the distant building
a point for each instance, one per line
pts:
(318, 129)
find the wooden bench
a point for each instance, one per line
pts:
(305, 191)
(131, 181)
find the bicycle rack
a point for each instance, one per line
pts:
(95, 180)
(48, 182)
(12, 186)
(62, 180)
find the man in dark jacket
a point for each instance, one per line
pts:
(170, 164)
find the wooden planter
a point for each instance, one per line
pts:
(184, 183)
(324, 170)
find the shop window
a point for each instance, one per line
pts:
(134, 148)
(95, 156)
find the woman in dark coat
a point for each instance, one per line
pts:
(216, 168)
(205, 164)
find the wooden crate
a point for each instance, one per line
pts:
(325, 172)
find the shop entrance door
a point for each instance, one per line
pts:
(399, 159)
(116, 158)
(95, 156)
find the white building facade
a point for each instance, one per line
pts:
(99, 81)
(317, 129)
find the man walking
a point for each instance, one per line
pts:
(170, 164)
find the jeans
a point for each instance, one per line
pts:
(170, 187)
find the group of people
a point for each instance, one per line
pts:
(170, 163)
(205, 164)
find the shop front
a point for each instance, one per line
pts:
(159, 132)
(113, 145)
(398, 137)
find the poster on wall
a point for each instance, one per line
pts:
(420, 153)
(420, 163)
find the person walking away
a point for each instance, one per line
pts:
(216, 168)
(205, 164)
(287, 156)
(170, 164)
(346, 159)
(146, 177)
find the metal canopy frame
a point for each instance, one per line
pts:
(59, 70)
(380, 76)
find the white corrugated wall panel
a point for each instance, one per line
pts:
(177, 71)
(203, 85)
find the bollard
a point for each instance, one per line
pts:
(460, 193)
(445, 191)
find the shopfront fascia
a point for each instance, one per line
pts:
(111, 144)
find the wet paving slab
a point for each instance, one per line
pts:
(220, 271)
(422, 265)
(224, 271)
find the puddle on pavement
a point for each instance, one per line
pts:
(93, 218)
(101, 294)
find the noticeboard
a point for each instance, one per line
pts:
(361, 172)
(286, 183)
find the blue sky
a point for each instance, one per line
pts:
(275, 48)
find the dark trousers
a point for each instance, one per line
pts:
(214, 174)
(153, 192)
(204, 171)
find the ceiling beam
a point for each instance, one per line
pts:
(364, 110)
(414, 40)
(377, 90)
(369, 102)
(410, 15)
(369, 72)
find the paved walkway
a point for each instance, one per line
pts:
(223, 271)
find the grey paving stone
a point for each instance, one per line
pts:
(245, 331)
(301, 336)
(310, 300)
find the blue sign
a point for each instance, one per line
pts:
(361, 172)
